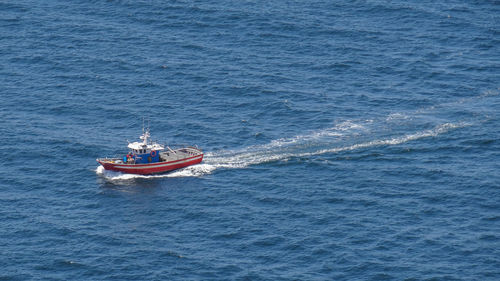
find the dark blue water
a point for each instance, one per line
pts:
(344, 140)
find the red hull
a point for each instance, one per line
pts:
(153, 168)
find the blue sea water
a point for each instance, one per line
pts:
(344, 140)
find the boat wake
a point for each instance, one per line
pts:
(304, 146)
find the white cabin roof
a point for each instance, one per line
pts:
(145, 144)
(139, 145)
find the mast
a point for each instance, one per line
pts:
(145, 134)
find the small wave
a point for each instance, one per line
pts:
(397, 116)
(489, 93)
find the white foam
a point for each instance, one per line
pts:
(193, 171)
(397, 116)
(489, 93)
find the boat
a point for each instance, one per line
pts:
(147, 157)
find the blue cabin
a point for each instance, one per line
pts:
(144, 152)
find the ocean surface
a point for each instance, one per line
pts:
(343, 140)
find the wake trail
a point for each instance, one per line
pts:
(249, 157)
